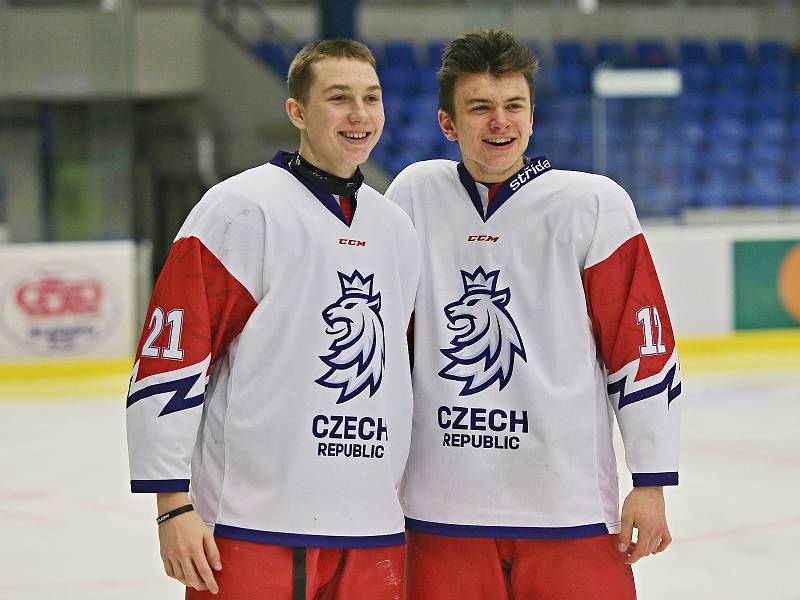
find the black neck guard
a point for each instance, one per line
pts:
(323, 180)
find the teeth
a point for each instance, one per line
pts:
(356, 136)
(502, 140)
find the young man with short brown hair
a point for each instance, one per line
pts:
(539, 317)
(271, 382)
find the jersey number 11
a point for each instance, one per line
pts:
(649, 319)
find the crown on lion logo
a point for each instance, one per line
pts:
(356, 284)
(480, 281)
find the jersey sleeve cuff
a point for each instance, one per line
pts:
(139, 486)
(654, 479)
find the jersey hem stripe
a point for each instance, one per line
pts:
(648, 479)
(139, 486)
(491, 531)
(278, 538)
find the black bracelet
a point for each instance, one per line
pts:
(174, 513)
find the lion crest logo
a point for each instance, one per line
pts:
(486, 340)
(358, 350)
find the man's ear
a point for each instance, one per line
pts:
(447, 125)
(295, 111)
(533, 110)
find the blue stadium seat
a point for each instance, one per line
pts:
(578, 157)
(657, 190)
(693, 51)
(423, 106)
(421, 134)
(569, 52)
(546, 82)
(619, 135)
(794, 104)
(572, 108)
(653, 131)
(433, 52)
(565, 133)
(727, 130)
(652, 54)
(792, 195)
(450, 151)
(728, 104)
(619, 160)
(771, 52)
(395, 108)
(733, 52)
(611, 51)
(769, 129)
(794, 130)
(573, 79)
(618, 108)
(772, 76)
(692, 104)
(693, 130)
(766, 152)
(764, 186)
(720, 187)
(426, 80)
(400, 81)
(691, 161)
(667, 154)
(399, 54)
(736, 77)
(696, 76)
(769, 103)
(726, 154)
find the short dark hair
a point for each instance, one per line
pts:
(301, 76)
(494, 51)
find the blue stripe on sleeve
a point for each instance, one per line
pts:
(653, 479)
(159, 485)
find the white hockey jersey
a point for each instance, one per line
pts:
(273, 372)
(539, 315)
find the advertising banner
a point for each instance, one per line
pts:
(767, 284)
(67, 300)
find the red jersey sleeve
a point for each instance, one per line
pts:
(197, 309)
(636, 344)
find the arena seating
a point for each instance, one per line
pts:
(731, 139)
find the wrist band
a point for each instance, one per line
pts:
(174, 513)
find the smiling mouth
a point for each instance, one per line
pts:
(499, 142)
(356, 137)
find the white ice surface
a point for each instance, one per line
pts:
(70, 529)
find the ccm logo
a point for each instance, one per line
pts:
(482, 238)
(345, 242)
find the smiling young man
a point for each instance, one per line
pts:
(271, 383)
(539, 317)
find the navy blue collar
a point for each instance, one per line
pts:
(530, 170)
(281, 159)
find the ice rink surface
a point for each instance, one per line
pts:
(72, 531)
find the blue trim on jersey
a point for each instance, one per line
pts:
(142, 486)
(673, 390)
(328, 201)
(491, 531)
(529, 171)
(649, 479)
(179, 389)
(278, 538)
